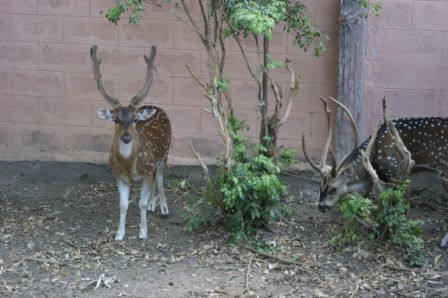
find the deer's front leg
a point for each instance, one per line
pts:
(147, 188)
(123, 189)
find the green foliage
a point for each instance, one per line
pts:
(385, 220)
(247, 195)
(374, 8)
(259, 17)
(134, 7)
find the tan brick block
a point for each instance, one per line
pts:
(209, 147)
(185, 38)
(82, 30)
(406, 45)
(404, 103)
(5, 27)
(65, 57)
(125, 60)
(429, 75)
(161, 91)
(193, 7)
(40, 138)
(388, 74)
(16, 6)
(38, 83)
(185, 120)
(244, 94)
(395, 14)
(5, 81)
(325, 70)
(172, 62)
(301, 64)
(64, 7)
(307, 100)
(19, 109)
(98, 7)
(65, 111)
(430, 15)
(327, 13)
(80, 139)
(19, 54)
(146, 33)
(297, 124)
(83, 85)
(37, 28)
(236, 68)
(209, 127)
(444, 103)
(153, 12)
(186, 92)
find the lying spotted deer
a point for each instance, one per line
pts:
(140, 146)
(388, 156)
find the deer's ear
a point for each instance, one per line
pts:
(145, 114)
(105, 114)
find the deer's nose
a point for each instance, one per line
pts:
(324, 208)
(126, 138)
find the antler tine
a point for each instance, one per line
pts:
(97, 73)
(323, 160)
(305, 152)
(136, 100)
(352, 123)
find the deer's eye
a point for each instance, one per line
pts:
(332, 190)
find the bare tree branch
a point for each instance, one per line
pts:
(205, 172)
(192, 26)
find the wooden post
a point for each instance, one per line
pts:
(352, 52)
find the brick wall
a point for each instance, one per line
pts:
(49, 99)
(408, 60)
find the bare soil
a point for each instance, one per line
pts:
(58, 220)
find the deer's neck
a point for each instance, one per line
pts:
(125, 150)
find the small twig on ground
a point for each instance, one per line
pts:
(289, 292)
(280, 259)
(246, 280)
(355, 290)
(69, 244)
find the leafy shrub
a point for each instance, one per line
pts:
(382, 220)
(245, 196)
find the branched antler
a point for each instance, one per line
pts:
(136, 100)
(97, 73)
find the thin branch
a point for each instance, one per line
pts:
(293, 90)
(246, 280)
(205, 172)
(204, 15)
(254, 76)
(280, 259)
(186, 22)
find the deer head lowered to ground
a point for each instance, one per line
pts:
(388, 156)
(140, 145)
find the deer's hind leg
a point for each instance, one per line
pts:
(444, 178)
(160, 166)
(153, 198)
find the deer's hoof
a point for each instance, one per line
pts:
(143, 235)
(165, 216)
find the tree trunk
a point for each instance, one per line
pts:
(263, 101)
(352, 52)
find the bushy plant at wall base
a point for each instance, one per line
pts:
(246, 196)
(385, 220)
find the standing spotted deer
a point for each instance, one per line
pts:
(140, 146)
(397, 147)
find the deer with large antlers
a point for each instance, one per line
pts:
(388, 156)
(140, 146)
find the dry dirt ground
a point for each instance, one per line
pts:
(58, 220)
